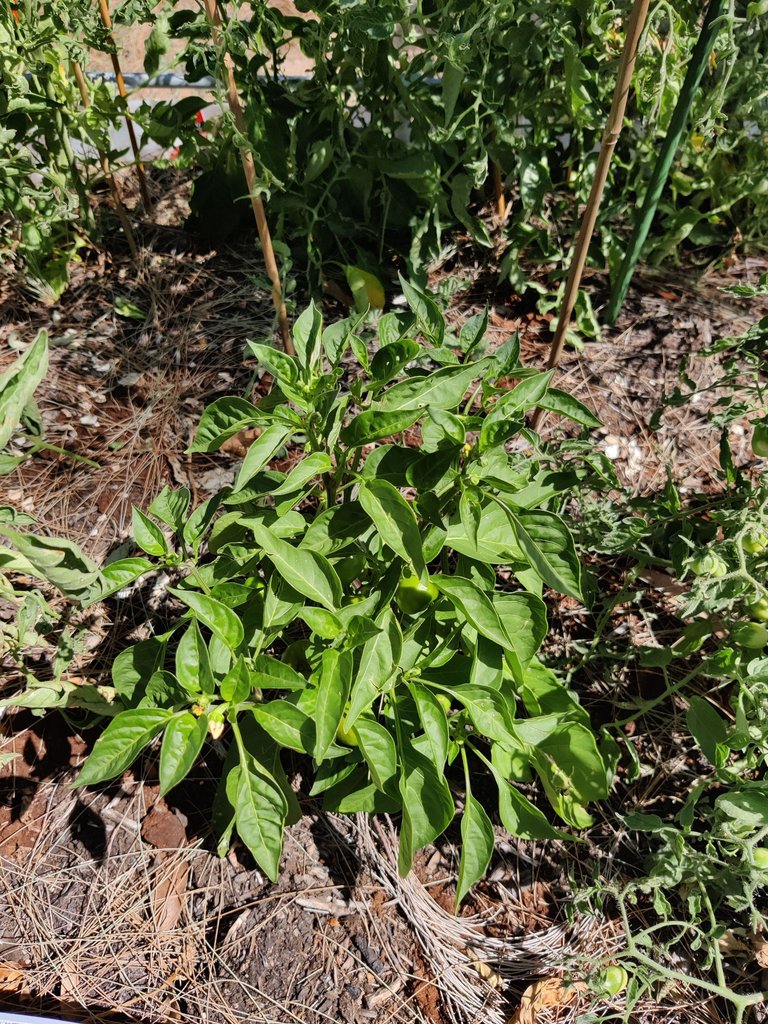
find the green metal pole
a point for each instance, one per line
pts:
(696, 66)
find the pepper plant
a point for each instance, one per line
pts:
(376, 604)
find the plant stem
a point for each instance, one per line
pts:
(106, 21)
(610, 138)
(249, 169)
(693, 76)
(106, 169)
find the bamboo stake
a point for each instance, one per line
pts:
(106, 169)
(498, 191)
(610, 136)
(249, 168)
(696, 67)
(106, 20)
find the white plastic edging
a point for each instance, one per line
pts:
(24, 1018)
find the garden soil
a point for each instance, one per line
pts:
(113, 903)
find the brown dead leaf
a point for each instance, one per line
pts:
(760, 948)
(170, 895)
(240, 443)
(11, 976)
(548, 993)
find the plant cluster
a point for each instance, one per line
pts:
(377, 607)
(414, 118)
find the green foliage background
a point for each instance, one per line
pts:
(388, 146)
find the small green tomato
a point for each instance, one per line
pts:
(756, 541)
(759, 609)
(611, 981)
(751, 635)
(760, 857)
(760, 439)
(709, 564)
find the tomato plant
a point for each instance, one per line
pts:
(403, 459)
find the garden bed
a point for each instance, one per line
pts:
(112, 900)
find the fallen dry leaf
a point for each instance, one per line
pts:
(170, 895)
(545, 994)
(11, 976)
(760, 948)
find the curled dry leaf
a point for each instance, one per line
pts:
(545, 994)
(11, 976)
(760, 948)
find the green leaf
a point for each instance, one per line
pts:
(283, 367)
(221, 420)
(390, 359)
(548, 545)
(261, 809)
(271, 674)
(308, 572)
(59, 561)
(394, 520)
(518, 815)
(524, 617)
(147, 534)
(260, 453)
(18, 384)
(115, 576)
(707, 727)
(221, 621)
(427, 806)
(332, 692)
(286, 724)
(182, 742)
(373, 425)
(511, 408)
(428, 316)
(193, 663)
(322, 622)
(566, 755)
(237, 685)
(378, 663)
(307, 335)
(134, 667)
(443, 389)
(121, 743)
(488, 711)
(171, 506)
(452, 426)
(200, 520)
(433, 720)
(473, 331)
(367, 290)
(477, 843)
(475, 606)
(312, 466)
(495, 542)
(378, 748)
(566, 405)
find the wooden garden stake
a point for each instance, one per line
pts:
(498, 191)
(610, 137)
(249, 168)
(106, 20)
(106, 169)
